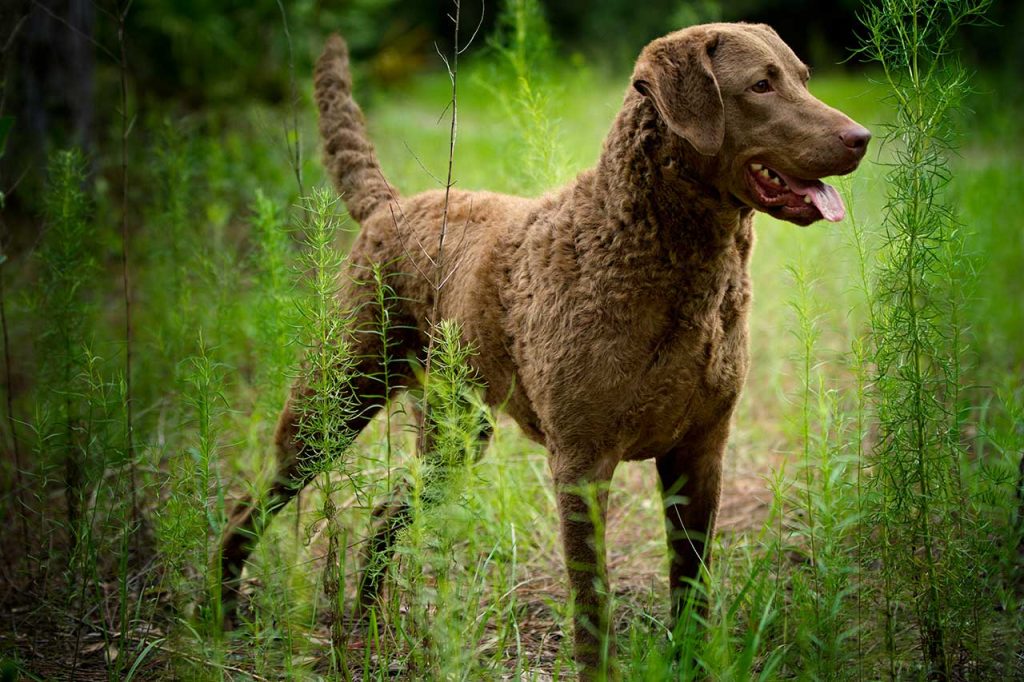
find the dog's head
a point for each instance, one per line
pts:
(738, 95)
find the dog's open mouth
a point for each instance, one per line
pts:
(791, 198)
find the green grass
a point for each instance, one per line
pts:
(477, 585)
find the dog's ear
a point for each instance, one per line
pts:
(677, 76)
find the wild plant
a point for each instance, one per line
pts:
(166, 262)
(293, 136)
(739, 643)
(194, 511)
(65, 301)
(444, 607)
(821, 580)
(523, 42)
(917, 502)
(100, 551)
(274, 315)
(384, 296)
(859, 363)
(328, 402)
(126, 287)
(995, 484)
(326, 330)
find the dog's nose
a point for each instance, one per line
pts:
(856, 138)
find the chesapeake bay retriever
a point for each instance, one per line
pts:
(610, 316)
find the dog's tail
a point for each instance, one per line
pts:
(348, 152)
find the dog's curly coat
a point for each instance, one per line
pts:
(609, 317)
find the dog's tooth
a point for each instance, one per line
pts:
(776, 181)
(807, 199)
(756, 166)
(765, 173)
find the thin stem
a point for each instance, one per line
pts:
(935, 645)
(384, 327)
(72, 482)
(294, 148)
(18, 482)
(807, 332)
(125, 281)
(439, 274)
(9, 398)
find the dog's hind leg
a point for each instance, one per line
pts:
(296, 461)
(393, 515)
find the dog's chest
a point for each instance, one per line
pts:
(697, 369)
(636, 374)
(625, 352)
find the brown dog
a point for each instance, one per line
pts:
(609, 317)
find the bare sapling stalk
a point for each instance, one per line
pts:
(19, 484)
(129, 530)
(294, 144)
(440, 274)
(126, 126)
(334, 579)
(292, 137)
(6, 123)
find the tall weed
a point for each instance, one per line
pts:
(917, 499)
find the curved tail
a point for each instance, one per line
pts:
(348, 152)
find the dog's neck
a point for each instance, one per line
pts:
(650, 178)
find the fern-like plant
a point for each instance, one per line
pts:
(65, 303)
(923, 519)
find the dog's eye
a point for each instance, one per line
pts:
(761, 87)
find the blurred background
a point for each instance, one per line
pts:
(61, 80)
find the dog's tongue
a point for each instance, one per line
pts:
(824, 196)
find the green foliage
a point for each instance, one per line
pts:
(457, 417)
(522, 42)
(328, 401)
(695, 12)
(918, 501)
(6, 122)
(194, 512)
(167, 256)
(274, 316)
(446, 610)
(65, 301)
(67, 267)
(822, 534)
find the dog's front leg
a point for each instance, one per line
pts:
(582, 493)
(691, 486)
